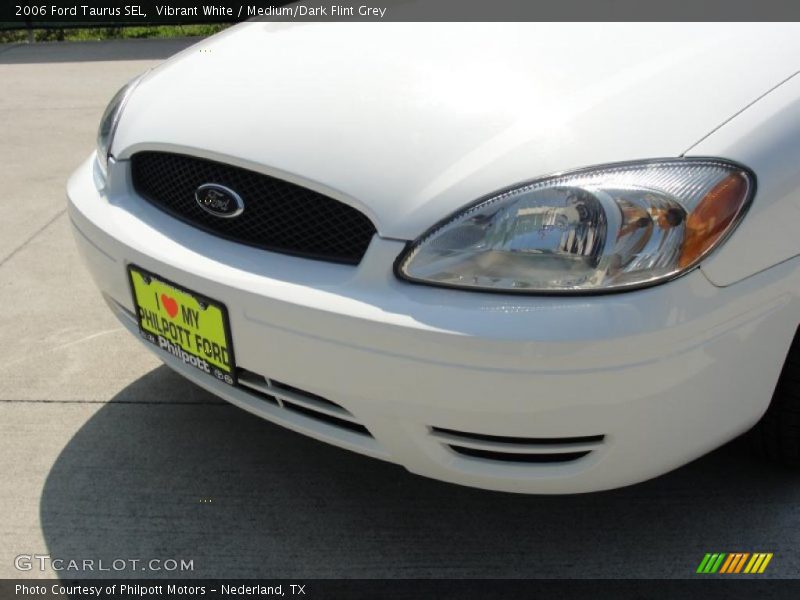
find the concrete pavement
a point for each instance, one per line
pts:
(104, 454)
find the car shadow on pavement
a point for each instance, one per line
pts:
(167, 471)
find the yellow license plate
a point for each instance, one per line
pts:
(190, 326)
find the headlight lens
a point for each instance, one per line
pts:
(609, 228)
(109, 121)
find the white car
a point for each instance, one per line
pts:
(535, 258)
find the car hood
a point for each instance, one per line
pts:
(410, 122)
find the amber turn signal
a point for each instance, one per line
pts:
(713, 217)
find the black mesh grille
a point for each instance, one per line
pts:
(278, 216)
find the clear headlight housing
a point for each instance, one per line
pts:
(603, 229)
(110, 120)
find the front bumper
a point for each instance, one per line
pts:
(631, 385)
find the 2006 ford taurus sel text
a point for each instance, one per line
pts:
(533, 258)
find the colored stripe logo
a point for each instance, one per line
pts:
(734, 562)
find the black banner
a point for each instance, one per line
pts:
(710, 588)
(18, 14)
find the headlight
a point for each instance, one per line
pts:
(602, 229)
(108, 124)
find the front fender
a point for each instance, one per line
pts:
(765, 137)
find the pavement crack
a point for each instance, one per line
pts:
(33, 236)
(36, 355)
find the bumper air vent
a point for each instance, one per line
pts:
(513, 449)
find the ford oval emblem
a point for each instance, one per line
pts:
(219, 200)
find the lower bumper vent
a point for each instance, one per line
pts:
(519, 457)
(300, 402)
(513, 449)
